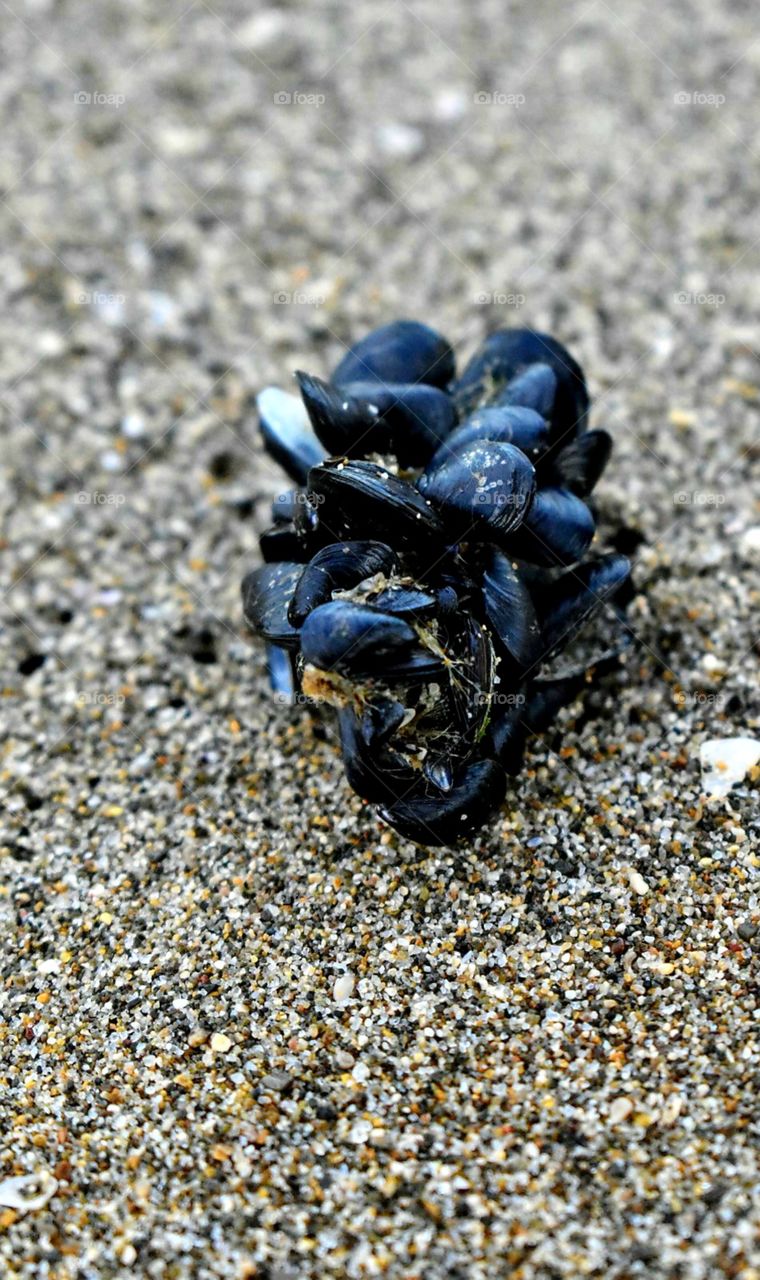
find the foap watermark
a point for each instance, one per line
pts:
(686, 698)
(503, 699)
(295, 699)
(687, 298)
(499, 299)
(84, 99)
(295, 498)
(497, 498)
(96, 298)
(97, 498)
(298, 98)
(698, 98)
(497, 98)
(99, 698)
(698, 498)
(297, 298)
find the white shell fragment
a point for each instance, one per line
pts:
(28, 1192)
(343, 988)
(726, 761)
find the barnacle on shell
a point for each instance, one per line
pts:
(430, 560)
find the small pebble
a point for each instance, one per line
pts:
(450, 105)
(277, 1081)
(713, 664)
(400, 141)
(133, 426)
(360, 1132)
(264, 31)
(749, 543)
(50, 343)
(620, 1109)
(109, 596)
(112, 461)
(637, 881)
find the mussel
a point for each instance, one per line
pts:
(483, 490)
(509, 424)
(365, 643)
(336, 567)
(509, 354)
(360, 499)
(267, 593)
(432, 561)
(403, 351)
(407, 420)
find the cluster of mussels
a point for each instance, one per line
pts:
(430, 559)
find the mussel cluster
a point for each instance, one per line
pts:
(430, 559)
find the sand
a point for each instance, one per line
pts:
(246, 1031)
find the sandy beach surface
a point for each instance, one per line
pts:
(244, 1030)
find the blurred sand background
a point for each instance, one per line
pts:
(244, 1031)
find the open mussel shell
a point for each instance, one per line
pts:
(381, 719)
(363, 643)
(547, 697)
(365, 500)
(338, 567)
(483, 490)
(509, 608)
(446, 817)
(267, 593)
(557, 530)
(375, 770)
(509, 352)
(567, 603)
(471, 682)
(507, 728)
(287, 433)
(533, 706)
(403, 351)
(439, 772)
(510, 424)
